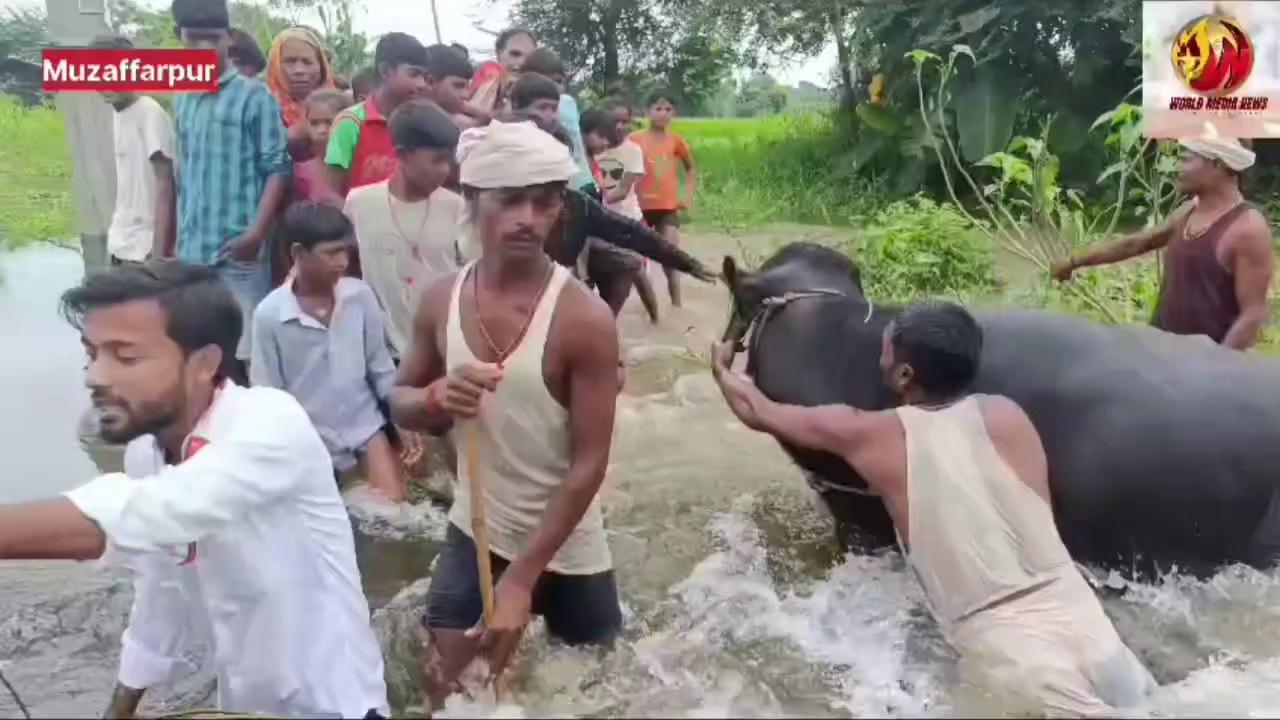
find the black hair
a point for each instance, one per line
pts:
(365, 76)
(422, 125)
(550, 127)
(309, 223)
(942, 343)
(201, 14)
(657, 95)
(544, 61)
(201, 310)
(443, 61)
(244, 50)
(331, 96)
(505, 36)
(595, 120)
(395, 49)
(462, 49)
(111, 42)
(532, 87)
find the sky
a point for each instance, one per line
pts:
(458, 21)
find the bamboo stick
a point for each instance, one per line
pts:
(480, 532)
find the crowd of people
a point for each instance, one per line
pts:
(310, 275)
(256, 159)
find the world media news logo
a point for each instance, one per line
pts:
(1213, 57)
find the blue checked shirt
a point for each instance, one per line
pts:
(229, 143)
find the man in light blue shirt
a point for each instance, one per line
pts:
(321, 338)
(545, 61)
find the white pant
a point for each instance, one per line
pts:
(1055, 650)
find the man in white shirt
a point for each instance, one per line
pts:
(227, 509)
(142, 222)
(407, 227)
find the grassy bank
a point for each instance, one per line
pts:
(773, 169)
(35, 176)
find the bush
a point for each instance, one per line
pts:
(916, 247)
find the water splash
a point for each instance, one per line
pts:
(378, 518)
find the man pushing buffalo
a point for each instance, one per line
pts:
(964, 478)
(1218, 254)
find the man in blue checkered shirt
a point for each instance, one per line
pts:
(233, 169)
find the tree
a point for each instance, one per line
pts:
(760, 95)
(1072, 59)
(793, 28)
(23, 31)
(348, 49)
(633, 45)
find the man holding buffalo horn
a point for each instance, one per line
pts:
(965, 480)
(1218, 254)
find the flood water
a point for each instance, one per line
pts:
(734, 600)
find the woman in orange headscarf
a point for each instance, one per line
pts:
(297, 66)
(493, 79)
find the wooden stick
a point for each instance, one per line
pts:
(480, 533)
(479, 527)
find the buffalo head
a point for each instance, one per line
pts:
(797, 267)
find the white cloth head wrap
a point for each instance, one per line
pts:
(1228, 151)
(512, 155)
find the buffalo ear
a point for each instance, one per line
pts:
(729, 269)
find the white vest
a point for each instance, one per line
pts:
(524, 446)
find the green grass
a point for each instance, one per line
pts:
(35, 184)
(772, 169)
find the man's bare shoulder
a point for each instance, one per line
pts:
(436, 297)
(1254, 230)
(587, 311)
(1006, 421)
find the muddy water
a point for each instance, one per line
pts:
(734, 601)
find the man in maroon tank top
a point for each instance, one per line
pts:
(1218, 253)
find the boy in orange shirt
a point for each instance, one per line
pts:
(659, 189)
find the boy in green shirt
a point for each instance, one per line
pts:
(360, 150)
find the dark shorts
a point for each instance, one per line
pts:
(578, 609)
(660, 219)
(609, 264)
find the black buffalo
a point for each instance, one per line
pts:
(1164, 450)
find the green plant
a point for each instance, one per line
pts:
(1027, 185)
(1127, 291)
(1150, 165)
(918, 247)
(1037, 245)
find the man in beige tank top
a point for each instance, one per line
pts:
(965, 480)
(516, 360)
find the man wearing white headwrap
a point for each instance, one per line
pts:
(516, 360)
(1218, 254)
